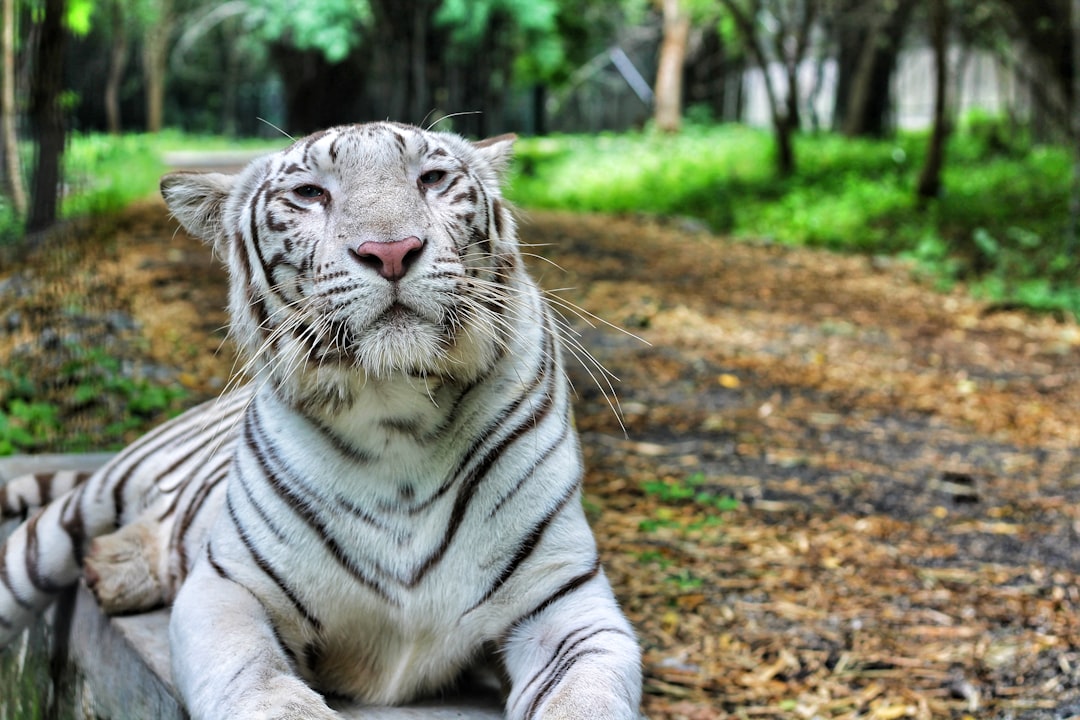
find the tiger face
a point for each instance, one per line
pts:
(363, 252)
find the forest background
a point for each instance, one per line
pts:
(942, 131)
(631, 102)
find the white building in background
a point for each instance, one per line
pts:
(983, 83)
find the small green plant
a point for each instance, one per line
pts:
(89, 401)
(688, 504)
(685, 580)
(25, 424)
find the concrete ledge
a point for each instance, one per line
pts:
(78, 663)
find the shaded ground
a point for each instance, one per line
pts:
(906, 464)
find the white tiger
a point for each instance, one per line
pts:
(398, 488)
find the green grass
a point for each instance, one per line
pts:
(106, 173)
(103, 174)
(999, 226)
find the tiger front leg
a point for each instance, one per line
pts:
(227, 661)
(576, 659)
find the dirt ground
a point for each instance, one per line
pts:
(829, 491)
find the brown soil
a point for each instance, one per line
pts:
(906, 463)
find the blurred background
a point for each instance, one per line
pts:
(941, 129)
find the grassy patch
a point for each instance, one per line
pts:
(89, 401)
(1000, 226)
(690, 504)
(105, 173)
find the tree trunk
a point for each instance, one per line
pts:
(11, 172)
(313, 89)
(784, 111)
(46, 116)
(930, 178)
(706, 72)
(785, 148)
(397, 84)
(669, 75)
(229, 95)
(1072, 236)
(868, 52)
(117, 64)
(155, 60)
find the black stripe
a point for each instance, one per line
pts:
(253, 226)
(527, 545)
(567, 588)
(222, 572)
(6, 580)
(268, 569)
(194, 507)
(290, 494)
(171, 435)
(350, 452)
(560, 673)
(38, 579)
(496, 216)
(259, 509)
(525, 476)
(73, 523)
(543, 378)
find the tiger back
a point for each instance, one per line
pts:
(395, 490)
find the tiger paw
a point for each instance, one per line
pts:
(120, 569)
(285, 698)
(570, 705)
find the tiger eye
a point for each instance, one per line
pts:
(432, 177)
(309, 191)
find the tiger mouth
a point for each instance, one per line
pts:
(397, 313)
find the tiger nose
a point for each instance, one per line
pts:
(390, 259)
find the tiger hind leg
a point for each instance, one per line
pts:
(122, 568)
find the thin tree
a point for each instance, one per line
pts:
(929, 186)
(46, 115)
(155, 61)
(13, 186)
(669, 75)
(118, 57)
(786, 44)
(1072, 241)
(869, 35)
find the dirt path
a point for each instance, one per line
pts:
(838, 495)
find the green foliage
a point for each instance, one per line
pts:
(530, 27)
(11, 225)
(999, 226)
(105, 173)
(330, 26)
(91, 402)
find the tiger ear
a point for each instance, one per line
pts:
(197, 200)
(497, 151)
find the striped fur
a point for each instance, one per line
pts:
(397, 489)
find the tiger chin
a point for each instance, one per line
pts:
(393, 493)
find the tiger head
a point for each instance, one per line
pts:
(360, 252)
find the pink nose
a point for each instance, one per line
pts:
(390, 259)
